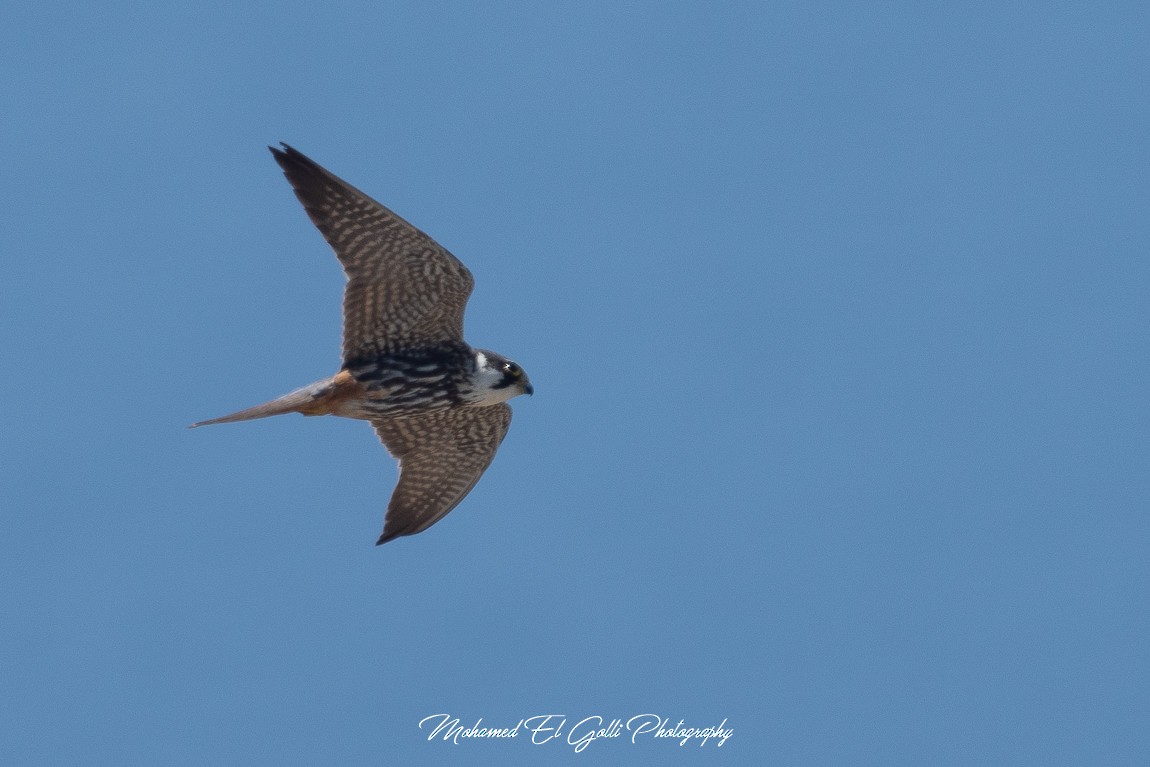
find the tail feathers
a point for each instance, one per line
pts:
(299, 401)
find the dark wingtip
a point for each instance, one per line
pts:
(286, 155)
(390, 534)
(296, 165)
(288, 149)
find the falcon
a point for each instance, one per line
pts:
(438, 405)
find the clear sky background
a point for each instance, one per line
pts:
(837, 319)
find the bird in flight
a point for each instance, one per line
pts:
(438, 405)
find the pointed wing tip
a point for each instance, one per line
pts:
(301, 170)
(287, 149)
(398, 528)
(288, 155)
(393, 531)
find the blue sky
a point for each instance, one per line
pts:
(836, 316)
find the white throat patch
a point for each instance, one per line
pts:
(487, 378)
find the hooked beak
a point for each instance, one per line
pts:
(528, 389)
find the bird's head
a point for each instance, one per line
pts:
(499, 379)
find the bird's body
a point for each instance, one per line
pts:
(438, 405)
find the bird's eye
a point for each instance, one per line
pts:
(513, 369)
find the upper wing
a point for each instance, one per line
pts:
(442, 454)
(403, 289)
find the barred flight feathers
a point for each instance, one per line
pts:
(403, 289)
(442, 454)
